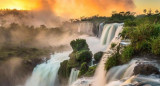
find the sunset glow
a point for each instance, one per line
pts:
(78, 8)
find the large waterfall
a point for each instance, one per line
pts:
(45, 74)
(110, 34)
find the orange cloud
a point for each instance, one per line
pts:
(77, 8)
(74, 8)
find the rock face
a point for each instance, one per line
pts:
(145, 69)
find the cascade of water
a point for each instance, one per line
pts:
(129, 71)
(105, 32)
(109, 32)
(45, 74)
(73, 76)
(118, 73)
(85, 27)
(100, 29)
(83, 82)
(109, 35)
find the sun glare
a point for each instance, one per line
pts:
(18, 4)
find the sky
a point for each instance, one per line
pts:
(78, 8)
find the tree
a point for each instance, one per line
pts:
(157, 11)
(145, 11)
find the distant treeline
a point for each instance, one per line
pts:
(117, 17)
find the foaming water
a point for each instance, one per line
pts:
(45, 74)
(119, 72)
(83, 82)
(73, 76)
(123, 75)
(110, 35)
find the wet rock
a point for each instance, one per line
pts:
(145, 69)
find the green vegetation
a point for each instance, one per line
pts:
(144, 33)
(127, 54)
(83, 69)
(22, 52)
(121, 16)
(98, 56)
(112, 61)
(113, 45)
(79, 44)
(91, 71)
(79, 58)
(84, 56)
(64, 70)
(156, 46)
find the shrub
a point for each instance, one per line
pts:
(83, 69)
(90, 71)
(98, 56)
(63, 70)
(84, 56)
(72, 62)
(130, 23)
(127, 54)
(113, 45)
(127, 31)
(112, 61)
(79, 44)
(156, 46)
(143, 46)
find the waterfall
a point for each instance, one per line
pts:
(109, 32)
(110, 35)
(45, 74)
(122, 75)
(119, 72)
(85, 28)
(100, 29)
(73, 76)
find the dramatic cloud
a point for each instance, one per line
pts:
(77, 8)
(72, 8)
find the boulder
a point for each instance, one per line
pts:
(145, 69)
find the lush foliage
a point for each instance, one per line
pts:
(63, 70)
(79, 44)
(121, 16)
(83, 69)
(98, 56)
(156, 46)
(127, 54)
(79, 58)
(91, 71)
(112, 61)
(144, 33)
(84, 56)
